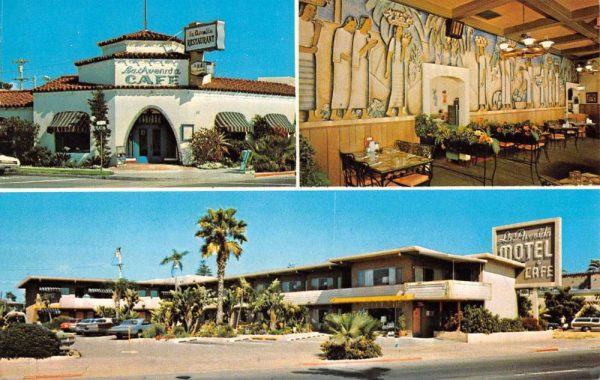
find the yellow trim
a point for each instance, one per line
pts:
(407, 297)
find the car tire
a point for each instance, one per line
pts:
(140, 334)
(585, 329)
(550, 328)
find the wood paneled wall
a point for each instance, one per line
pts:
(536, 115)
(328, 138)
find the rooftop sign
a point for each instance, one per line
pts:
(205, 37)
(536, 244)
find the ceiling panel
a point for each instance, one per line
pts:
(511, 14)
(570, 45)
(454, 3)
(552, 32)
(577, 4)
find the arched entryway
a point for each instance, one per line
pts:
(151, 139)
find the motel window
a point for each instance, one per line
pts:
(399, 277)
(418, 274)
(322, 283)
(292, 286)
(260, 287)
(382, 276)
(154, 293)
(360, 276)
(142, 293)
(64, 291)
(428, 274)
(72, 142)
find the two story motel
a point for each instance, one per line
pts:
(158, 94)
(427, 286)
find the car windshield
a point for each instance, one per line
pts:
(86, 321)
(129, 322)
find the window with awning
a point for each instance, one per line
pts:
(277, 120)
(233, 122)
(71, 131)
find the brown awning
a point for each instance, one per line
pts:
(70, 122)
(277, 120)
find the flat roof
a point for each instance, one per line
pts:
(489, 256)
(66, 279)
(413, 249)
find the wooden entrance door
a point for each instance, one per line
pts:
(416, 321)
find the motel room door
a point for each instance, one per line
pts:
(416, 321)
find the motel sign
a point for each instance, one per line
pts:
(536, 244)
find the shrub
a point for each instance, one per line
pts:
(234, 152)
(362, 348)
(179, 332)
(37, 156)
(530, 324)
(54, 324)
(273, 153)
(211, 329)
(155, 330)
(589, 310)
(309, 174)
(18, 137)
(28, 341)
(208, 145)
(511, 325)
(477, 319)
(524, 305)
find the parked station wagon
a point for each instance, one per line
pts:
(586, 323)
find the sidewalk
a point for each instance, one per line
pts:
(142, 172)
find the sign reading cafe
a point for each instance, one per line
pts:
(151, 73)
(536, 244)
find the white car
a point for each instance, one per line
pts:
(8, 163)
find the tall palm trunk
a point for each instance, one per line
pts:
(221, 260)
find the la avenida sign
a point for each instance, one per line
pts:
(536, 244)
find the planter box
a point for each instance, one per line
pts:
(503, 337)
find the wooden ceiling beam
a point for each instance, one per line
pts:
(553, 9)
(585, 13)
(587, 57)
(569, 38)
(514, 32)
(582, 49)
(476, 6)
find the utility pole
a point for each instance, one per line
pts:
(119, 257)
(20, 63)
(145, 14)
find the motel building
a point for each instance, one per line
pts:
(158, 92)
(426, 285)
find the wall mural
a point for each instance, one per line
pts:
(363, 59)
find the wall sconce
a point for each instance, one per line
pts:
(454, 28)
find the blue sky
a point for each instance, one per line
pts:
(52, 34)
(75, 234)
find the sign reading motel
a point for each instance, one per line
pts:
(536, 244)
(205, 37)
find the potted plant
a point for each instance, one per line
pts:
(426, 128)
(401, 324)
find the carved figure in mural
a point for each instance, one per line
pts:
(361, 44)
(396, 61)
(480, 43)
(557, 83)
(507, 70)
(342, 67)
(309, 34)
(528, 75)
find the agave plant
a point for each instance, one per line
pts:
(351, 326)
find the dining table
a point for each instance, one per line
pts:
(384, 166)
(572, 130)
(586, 179)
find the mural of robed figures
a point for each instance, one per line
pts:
(363, 59)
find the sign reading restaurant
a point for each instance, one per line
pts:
(205, 37)
(536, 244)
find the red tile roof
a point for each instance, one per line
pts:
(142, 35)
(12, 99)
(71, 83)
(132, 55)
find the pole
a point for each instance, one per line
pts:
(535, 303)
(145, 15)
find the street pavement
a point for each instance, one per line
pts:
(14, 181)
(411, 358)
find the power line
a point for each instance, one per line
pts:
(20, 64)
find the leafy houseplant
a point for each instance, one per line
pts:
(401, 324)
(426, 128)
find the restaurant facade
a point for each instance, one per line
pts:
(158, 94)
(426, 286)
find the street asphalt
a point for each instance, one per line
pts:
(14, 181)
(406, 358)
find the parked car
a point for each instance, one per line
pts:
(553, 326)
(130, 327)
(69, 325)
(8, 163)
(586, 323)
(80, 326)
(98, 326)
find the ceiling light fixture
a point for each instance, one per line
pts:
(531, 49)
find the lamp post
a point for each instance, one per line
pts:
(101, 126)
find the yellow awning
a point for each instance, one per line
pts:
(51, 306)
(406, 297)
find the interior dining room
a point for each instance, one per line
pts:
(405, 93)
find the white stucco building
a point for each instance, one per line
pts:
(156, 100)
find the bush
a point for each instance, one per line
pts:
(234, 152)
(54, 324)
(208, 145)
(511, 325)
(309, 174)
(362, 348)
(211, 329)
(530, 324)
(179, 332)
(155, 330)
(28, 341)
(18, 137)
(589, 310)
(477, 319)
(273, 153)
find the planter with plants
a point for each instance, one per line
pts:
(401, 325)
(467, 140)
(353, 336)
(426, 128)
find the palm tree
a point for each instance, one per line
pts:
(351, 326)
(244, 290)
(119, 288)
(175, 260)
(593, 267)
(223, 235)
(11, 296)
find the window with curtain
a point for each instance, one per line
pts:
(72, 142)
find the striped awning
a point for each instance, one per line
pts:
(99, 290)
(407, 297)
(233, 122)
(277, 120)
(70, 122)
